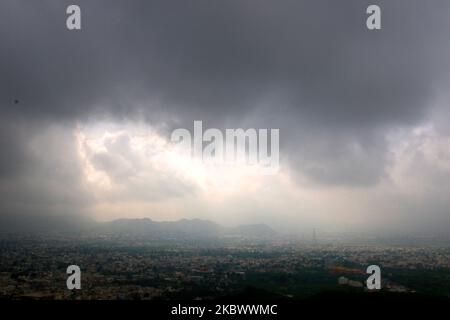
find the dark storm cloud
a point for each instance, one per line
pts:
(310, 68)
(40, 172)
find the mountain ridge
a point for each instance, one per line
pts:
(128, 226)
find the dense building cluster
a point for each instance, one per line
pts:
(35, 268)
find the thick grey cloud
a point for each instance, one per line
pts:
(40, 173)
(310, 68)
(224, 58)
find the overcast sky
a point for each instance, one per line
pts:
(86, 116)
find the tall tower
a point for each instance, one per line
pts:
(314, 237)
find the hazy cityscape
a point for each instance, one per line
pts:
(139, 266)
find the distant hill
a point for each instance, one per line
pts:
(147, 226)
(184, 228)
